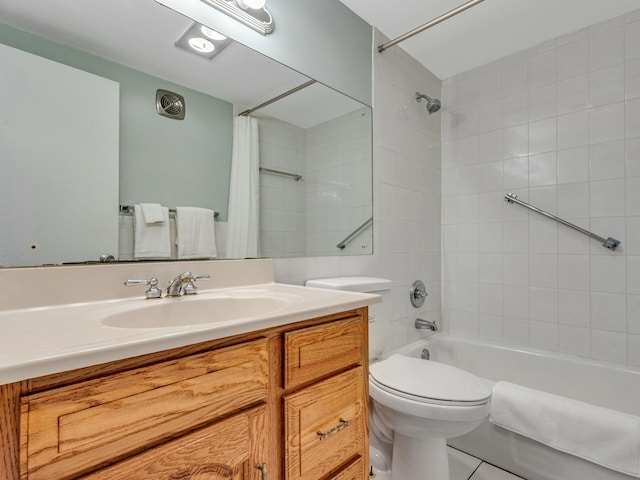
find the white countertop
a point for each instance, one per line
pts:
(50, 339)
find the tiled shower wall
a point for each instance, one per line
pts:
(406, 190)
(559, 125)
(309, 217)
(282, 199)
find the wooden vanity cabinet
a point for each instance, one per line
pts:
(286, 403)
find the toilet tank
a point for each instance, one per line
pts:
(379, 323)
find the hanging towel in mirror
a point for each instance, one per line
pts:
(152, 212)
(195, 233)
(151, 240)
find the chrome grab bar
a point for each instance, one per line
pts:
(295, 176)
(354, 234)
(610, 242)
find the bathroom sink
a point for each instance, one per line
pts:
(184, 311)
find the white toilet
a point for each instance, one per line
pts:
(416, 404)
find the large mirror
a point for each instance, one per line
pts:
(315, 144)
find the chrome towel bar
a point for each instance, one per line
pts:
(295, 176)
(610, 242)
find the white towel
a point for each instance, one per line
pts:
(195, 233)
(151, 240)
(152, 212)
(600, 435)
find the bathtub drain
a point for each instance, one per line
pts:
(425, 355)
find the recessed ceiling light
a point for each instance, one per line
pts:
(201, 45)
(212, 34)
(202, 41)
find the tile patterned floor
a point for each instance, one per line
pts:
(466, 467)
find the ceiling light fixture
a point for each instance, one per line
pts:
(193, 41)
(251, 13)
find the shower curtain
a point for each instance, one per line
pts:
(243, 229)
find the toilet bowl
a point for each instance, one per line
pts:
(417, 404)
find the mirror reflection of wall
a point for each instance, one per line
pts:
(187, 162)
(310, 216)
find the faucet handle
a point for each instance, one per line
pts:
(152, 292)
(190, 288)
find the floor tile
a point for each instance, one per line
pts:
(461, 465)
(489, 472)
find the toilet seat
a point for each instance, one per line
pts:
(429, 382)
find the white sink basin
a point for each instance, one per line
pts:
(193, 310)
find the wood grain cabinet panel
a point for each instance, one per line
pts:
(325, 426)
(72, 429)
(317, 351)
(353, 471)
(228, 450)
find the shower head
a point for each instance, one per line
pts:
(433, 104)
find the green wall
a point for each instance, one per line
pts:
(185, 163)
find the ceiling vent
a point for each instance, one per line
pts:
(169, 104)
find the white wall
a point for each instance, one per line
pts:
(406, 189)
(559, 125)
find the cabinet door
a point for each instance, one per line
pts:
(228, 450)
(325, 426)
(74, 429)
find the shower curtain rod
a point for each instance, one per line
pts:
(279, 97)
(435, 21)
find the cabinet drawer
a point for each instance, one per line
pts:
(325, 425)
(71, 429)
(317, 351)
(353, 471)
(222, 450)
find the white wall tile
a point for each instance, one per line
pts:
(633, 314)
(607, 123)
(633, 275)
(574, 308)
(606, 86)
(608, 274)
(573, 59)
(573, 130)
(633, 196)
(543, 270)
(606, 161)
(573, 272)
(544, 335)
(632, 157)
(573, 200)
(609, 311)
(607, 198)
(632, 40)
(632, 245)
(575, 340)
(515, 109)
(608, 346)
(543, 166)
(632, 79)
(573, 165)
(542, 136)
(606, 49)
(542, 68)
(543, 102)
(573, 94)
(632, 118)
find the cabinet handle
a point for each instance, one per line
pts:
(343, 424)
(263, 469)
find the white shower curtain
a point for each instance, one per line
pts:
(243, 230)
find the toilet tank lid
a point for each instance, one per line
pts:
(352, 284)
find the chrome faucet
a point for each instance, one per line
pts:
(176, 288)
(422, 324)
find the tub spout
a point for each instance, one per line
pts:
(422, 324)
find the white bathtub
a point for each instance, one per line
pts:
(606, 385)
